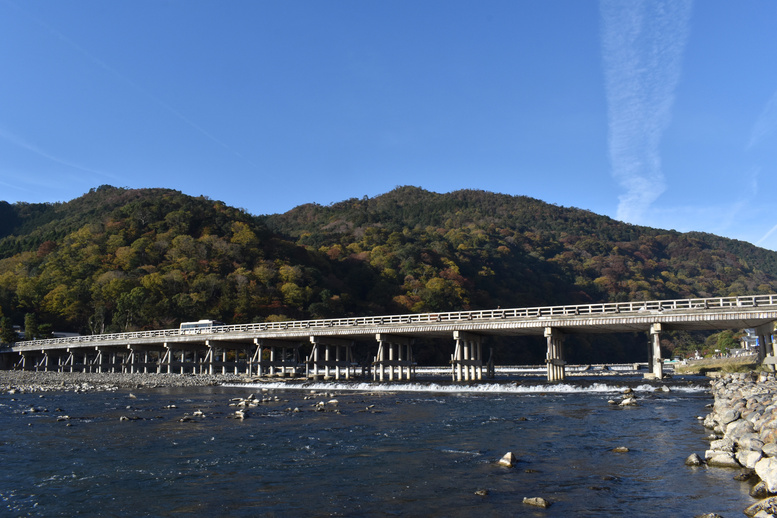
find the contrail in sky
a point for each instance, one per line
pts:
(766, 123)
(642, 47)
(16, 140)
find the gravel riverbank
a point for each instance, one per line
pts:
(744, 425)
(30, 381)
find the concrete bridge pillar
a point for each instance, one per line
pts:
(333, 356)
(555, 355)
(467, 359)
(656, 364)
(282, 357)
(394, 358)
(766, 354)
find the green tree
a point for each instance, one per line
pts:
(31, 331)
(7, 334)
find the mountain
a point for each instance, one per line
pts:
(517, 251)
(122, 259)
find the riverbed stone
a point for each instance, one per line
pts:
(736, 429)
(722, 460)
(750, 441)
(694, 460)
(748, 458)
(770, 450)
(508, 460)
(759, 490)
(766, 469)
(768, 506)
(537, 501)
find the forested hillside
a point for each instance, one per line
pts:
(482, 249)
(118, 259)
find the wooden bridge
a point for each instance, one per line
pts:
(274, 348)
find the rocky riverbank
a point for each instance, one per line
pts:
(744, 425)
(30, 381)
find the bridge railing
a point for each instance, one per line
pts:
(706, 304)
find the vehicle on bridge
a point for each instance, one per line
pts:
(199, 326)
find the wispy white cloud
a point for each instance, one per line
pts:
(24, 144)
(642, 48)
(766, 123)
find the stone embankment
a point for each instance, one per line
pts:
(30, 381)
(744, 422)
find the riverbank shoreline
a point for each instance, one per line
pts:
(744, 425)
(13, 382)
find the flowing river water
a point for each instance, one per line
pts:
(324, 449)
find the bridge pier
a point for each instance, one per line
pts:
(333, 355)
(766, 354)
(107, 358)
(283, 357)
(655, 363)
(467, 358)
(144, 358)
(221, 347)
(555, 355)
(395, 356)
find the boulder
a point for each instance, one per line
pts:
(537, 502)
(770, 450)
(748, 458)
(620, 449)
(769, 435)
(768, 506)
(629, 401)
(766, 469)
(722, 460)
(750, 441)
(759, 490)
(745, 474)
(736, 429)
(728, 416)
(694, 460)
(725, 444)
(508, 460)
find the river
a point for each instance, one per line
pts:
(417, 449)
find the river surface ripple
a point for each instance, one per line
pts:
(421, 449)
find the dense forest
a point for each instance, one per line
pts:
(119, 259)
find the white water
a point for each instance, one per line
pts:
(482, 388)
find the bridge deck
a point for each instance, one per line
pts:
(621, 317)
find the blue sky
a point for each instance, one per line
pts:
(656, 113)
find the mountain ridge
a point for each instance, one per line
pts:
(120, 259)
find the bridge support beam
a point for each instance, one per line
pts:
(766, 356)
(655, 363)
(331, 357)
(235, 356)
(282, 357)
(467, 358)
(395, 357)
(555, 355)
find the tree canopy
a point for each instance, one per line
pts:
(125, 259)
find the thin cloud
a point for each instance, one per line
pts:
(642, 47)
(766, 123)
(18, 141)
